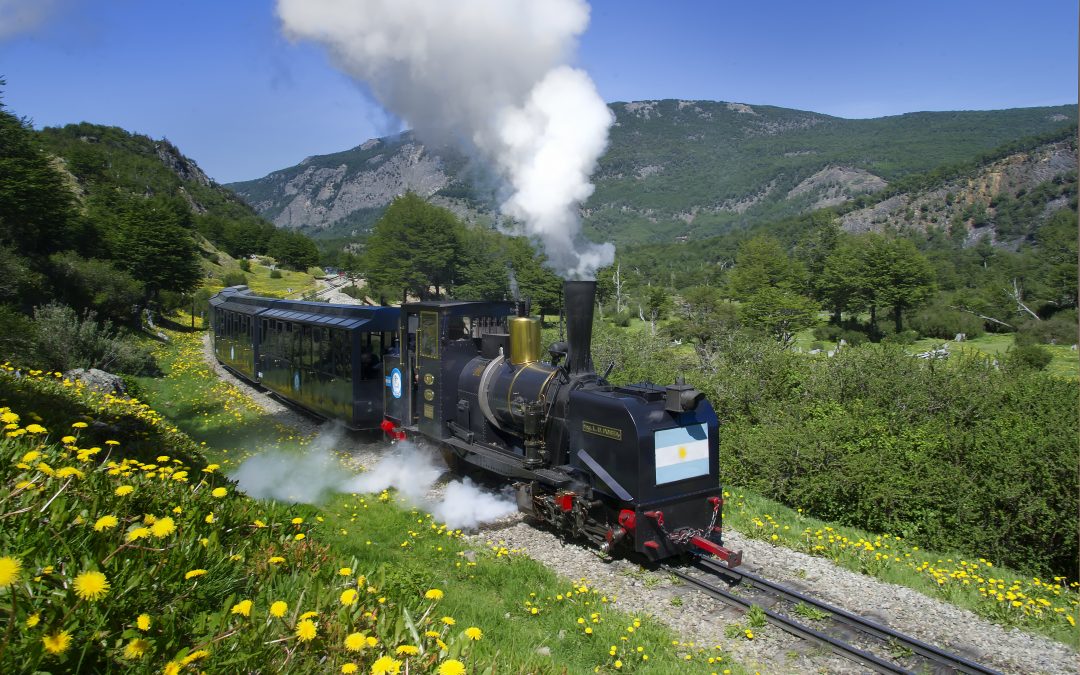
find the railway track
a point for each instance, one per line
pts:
(886, 650)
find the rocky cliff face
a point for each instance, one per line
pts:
(975, 202)
(321, 191)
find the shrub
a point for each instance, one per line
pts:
(63, 340)
(245, 264)
(275, 274)
(1034, 357)
(850, 332)
(939, 321)
(234, 279)
(353, 291)
(1059, 329)
(940, 453)
(907, 337)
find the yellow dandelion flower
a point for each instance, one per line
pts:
(211, 468)
(35, 429)
(407, 650)
(279, 608)
(274, 560)
(10, 568)
(194, 656)
(57, 643)
(123, 490)
(297, 521)
(243, 608)
(194, 573)
(306, 630)
(91, 586)
(300, 536)
(345, 571)
(386, 666)
(451, 667)
(434, 594)
(136, 648)
(163, 527)
(448, 620)
(219, 492)
(348, 597)
(209, 519)
(473, 633)
(105, 523)
(354, 642)
(143, 622)
(171, 668)
(138, 533)
(33, 620)
(348, 668)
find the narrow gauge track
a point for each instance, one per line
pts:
(917, 656)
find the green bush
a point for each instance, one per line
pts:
(62, 341)
(1033, 357)
(938, 321)
(234, 279)
(245, 264)
(907, 337)
(275, 274)
(940, 453)
(1059, 329)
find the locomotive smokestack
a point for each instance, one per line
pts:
(579, 297)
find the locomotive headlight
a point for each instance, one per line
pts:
(681, 397)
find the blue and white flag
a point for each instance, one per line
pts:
(681, 453)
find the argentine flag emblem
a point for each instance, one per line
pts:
(681, 453)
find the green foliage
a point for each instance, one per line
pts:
(97, 285)
(37, 214)
(234, 279)
(293, 250)
(762, 263)
(940, 321)
(275, 273)
(1059, 329)
(1033, 357)
(413, 248)
(939, 453)
(778, 313)
(63, 340)
(245, 264)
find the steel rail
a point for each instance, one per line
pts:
(839, 647)
(952, 661)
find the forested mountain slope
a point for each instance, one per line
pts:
(673, 168)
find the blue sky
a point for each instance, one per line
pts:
(218, 79)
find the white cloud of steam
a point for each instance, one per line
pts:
(490, 76)
(20, 16)
(290, 477)
(412, 471)
(316, 473)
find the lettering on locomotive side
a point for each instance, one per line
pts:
(601, 430)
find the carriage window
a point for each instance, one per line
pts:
(428, 335)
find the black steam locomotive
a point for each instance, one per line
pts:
(626, 467)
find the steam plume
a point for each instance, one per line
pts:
(491, 76)
(316, 474)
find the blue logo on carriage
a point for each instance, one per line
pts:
(395, 383)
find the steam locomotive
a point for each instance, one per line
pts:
(629, 468)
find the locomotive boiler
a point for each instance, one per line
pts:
(629, 468)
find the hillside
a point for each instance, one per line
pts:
(107, 166)
(673, 168)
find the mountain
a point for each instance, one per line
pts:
(673, 168)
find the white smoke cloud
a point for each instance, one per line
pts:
(312, 476)
(20, 16)
(490, 76)
(413, 470)
(290, 477)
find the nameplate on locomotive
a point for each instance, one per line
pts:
(601, 430)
